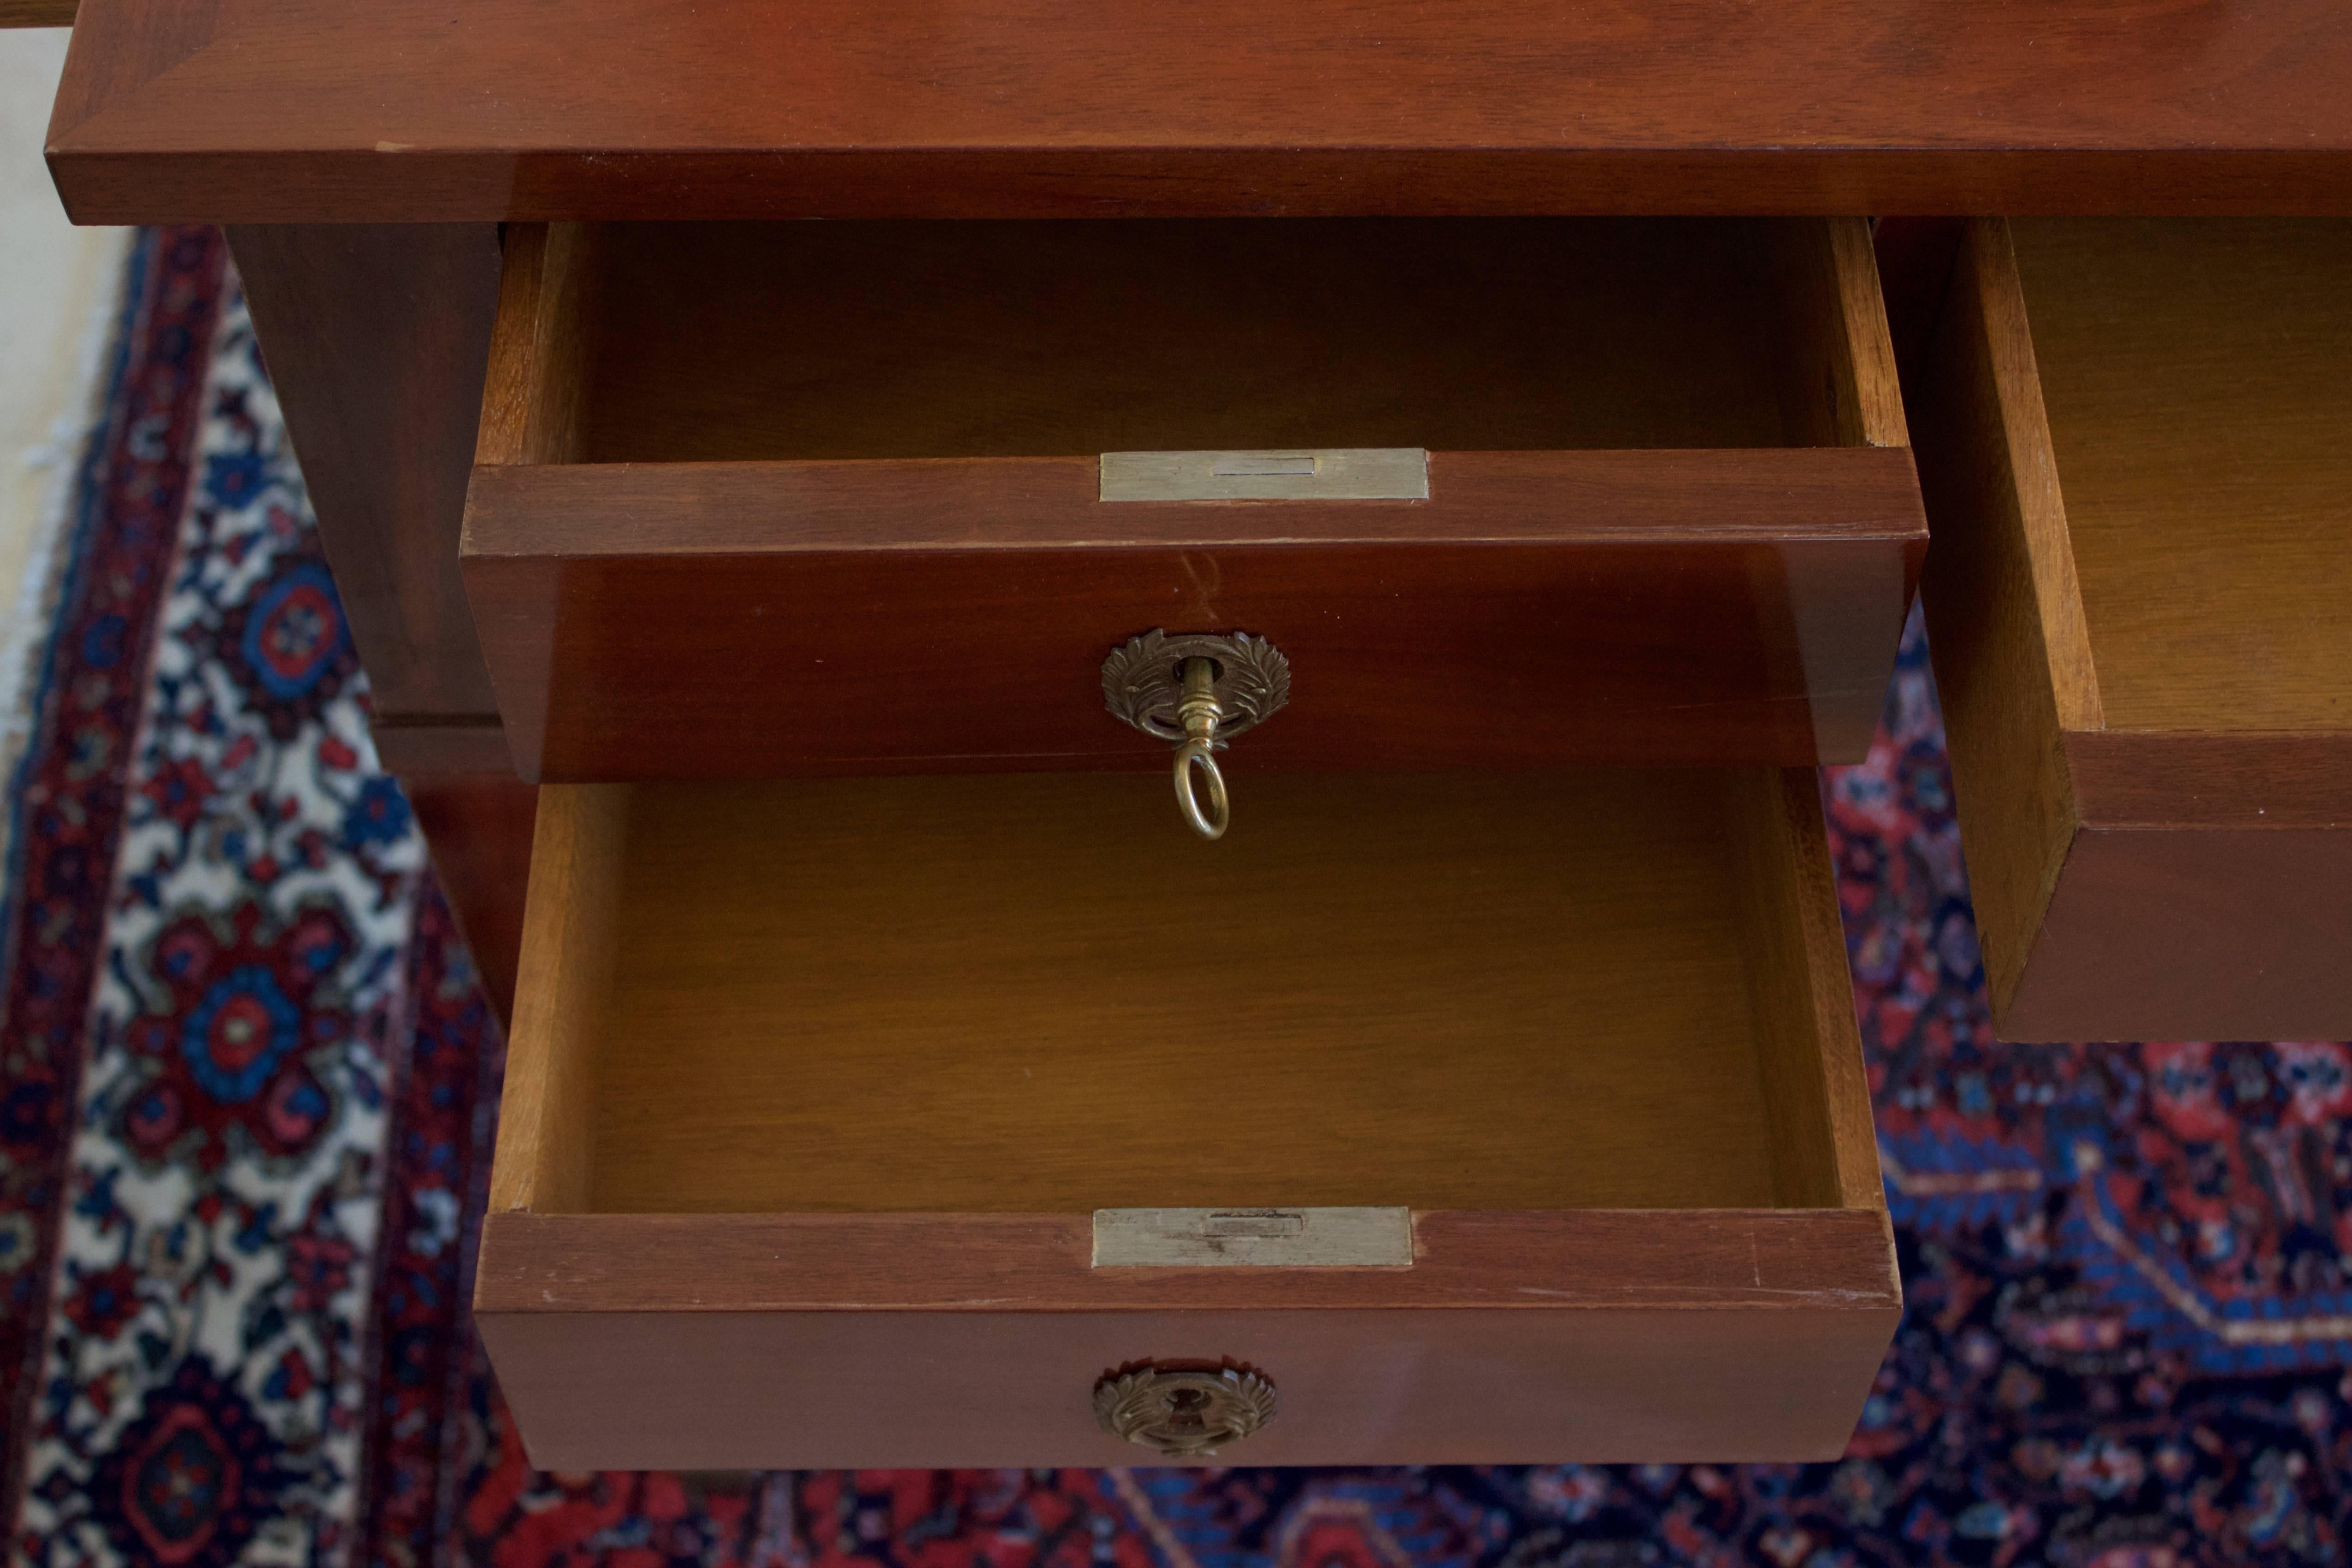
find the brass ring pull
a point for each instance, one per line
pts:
(1197, 690)
(1211, 822)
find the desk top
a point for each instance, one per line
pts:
(382, 111)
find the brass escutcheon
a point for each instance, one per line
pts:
(1185, 1409)
(1197, 690)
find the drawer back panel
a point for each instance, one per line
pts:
(733, 342)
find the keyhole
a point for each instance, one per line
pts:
(1188, 1407)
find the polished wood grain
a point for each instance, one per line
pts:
(1836, 358)
(563, 980)
(2191, 931)
(1400, 964)
(2195, 375)
(440, 746)
(719, 341)
(1776, 1376)
(307, 110)
(1669, 1259)
(538, 378)
(835, 420)
(1824, 1147)
(479, 830)
(686, 620)
(2004, 613)
(2136, 603)
(1026, 981)
(2185, 778)
(37, 13)
(948, 1017)
(377, 339)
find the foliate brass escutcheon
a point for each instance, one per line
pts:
(1185, 1409)
(1196, 690)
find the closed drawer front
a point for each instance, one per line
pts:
(769, 500)
(2134, 444)
(816, 1091)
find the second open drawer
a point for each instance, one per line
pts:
(762, 500)
(2137, 440)
(818, 1094)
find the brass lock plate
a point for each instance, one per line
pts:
(1142, 681)
(1184, 1409)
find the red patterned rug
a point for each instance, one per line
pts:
(250, 1083)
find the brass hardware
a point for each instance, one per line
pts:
(1325, 473)
(1199, 711)
(1185, 1409)
(1304, 1238)
(1197, 690)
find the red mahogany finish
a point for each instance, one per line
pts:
(318, 110)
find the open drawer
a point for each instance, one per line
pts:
(1514, 1117)
(2137, 446)
(771, 500)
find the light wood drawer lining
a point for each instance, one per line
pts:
(2198, 379)
(2139, 599)
(1034, 994)
(865, 1334)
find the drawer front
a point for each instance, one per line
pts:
(1756, 1337)
(756, 504)
(817, 1093)
(2139, 604)
(766, 620)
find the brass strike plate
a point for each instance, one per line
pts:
(1326, 473)
(1360, 1238)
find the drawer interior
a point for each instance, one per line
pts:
(2194, 373)
(1040, 993)
(895, 340)
(743, 491)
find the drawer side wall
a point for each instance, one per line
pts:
(2004, 613)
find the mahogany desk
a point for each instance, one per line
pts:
(517, 250)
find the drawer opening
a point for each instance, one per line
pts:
(719, 342)
(1630, 491)
(1619, 990)
(2196, 376)
(2139, 603)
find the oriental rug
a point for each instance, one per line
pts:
(247, 1084)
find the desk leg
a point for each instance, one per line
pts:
(377, 336)
(479, 831)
